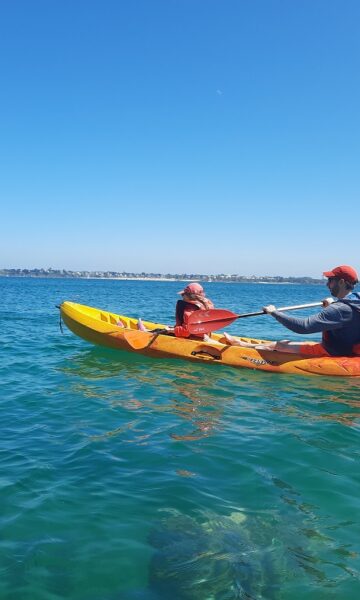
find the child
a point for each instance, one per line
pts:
(193, 298)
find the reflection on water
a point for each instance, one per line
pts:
(322, 399)
(146, 385)
(166, 479)
(272, 542)
(201, 406)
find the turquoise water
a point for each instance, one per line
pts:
(123, 477)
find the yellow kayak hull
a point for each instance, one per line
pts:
(112, 330)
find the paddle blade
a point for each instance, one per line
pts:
(213, 314)
(139, 340)
(205, 321)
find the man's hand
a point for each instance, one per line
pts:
(327, 301)
(269, 309)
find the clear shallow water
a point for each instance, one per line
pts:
(123, 477)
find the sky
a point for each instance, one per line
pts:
(180, 136)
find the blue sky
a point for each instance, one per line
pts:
(209, 136)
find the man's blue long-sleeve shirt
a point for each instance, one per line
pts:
(339, 323)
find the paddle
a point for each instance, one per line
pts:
(139, 340)
(205, 321)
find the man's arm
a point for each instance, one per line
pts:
(333, 316)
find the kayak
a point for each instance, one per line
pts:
(121, 333)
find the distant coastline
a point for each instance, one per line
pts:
(126, 276)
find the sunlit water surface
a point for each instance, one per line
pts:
(124, 477)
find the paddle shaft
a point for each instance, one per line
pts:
(282, 308)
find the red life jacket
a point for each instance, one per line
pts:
(184, 310)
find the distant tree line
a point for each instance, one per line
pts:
(65, 274)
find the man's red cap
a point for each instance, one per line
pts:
(193, 288)
(343, 272)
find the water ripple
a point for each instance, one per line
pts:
(125, 477)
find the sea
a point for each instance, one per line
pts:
(124, 477)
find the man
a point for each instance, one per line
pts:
(339, 321)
